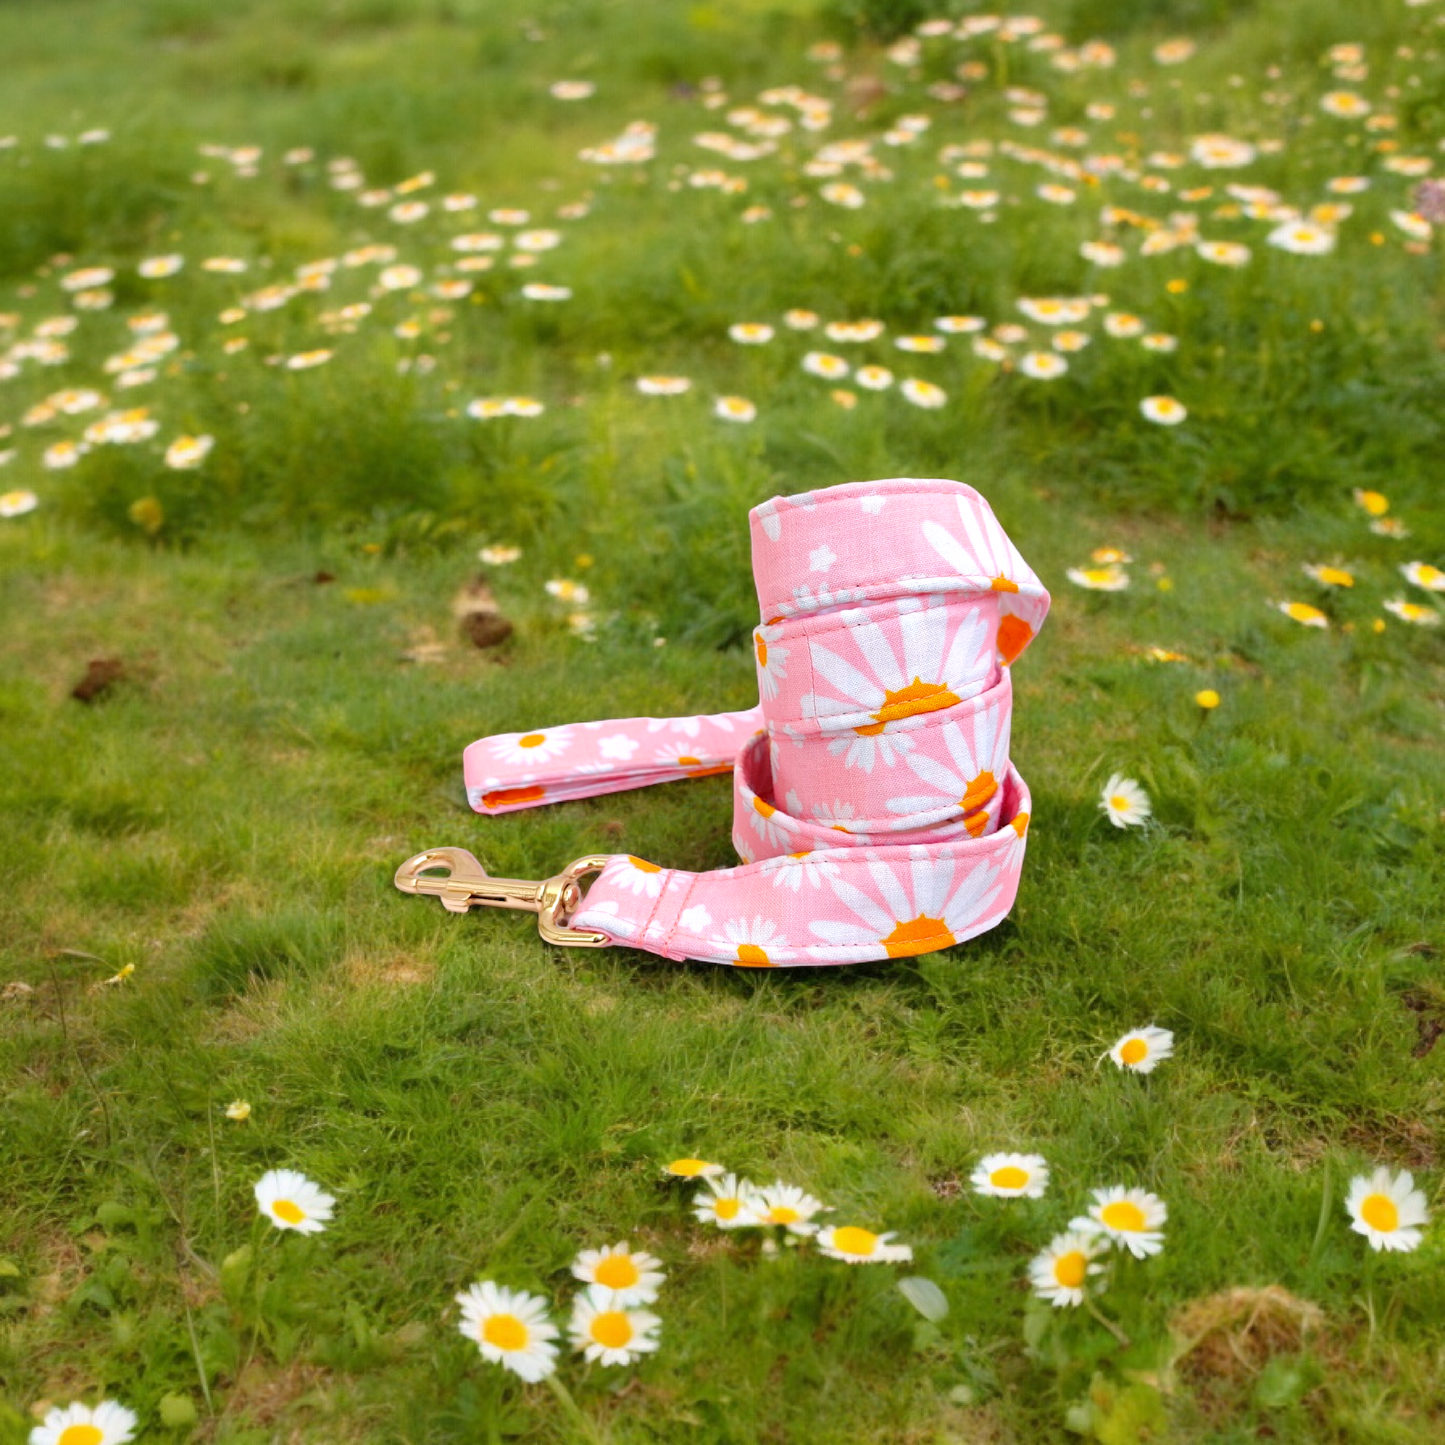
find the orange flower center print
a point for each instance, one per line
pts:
(917, 697)
(918, 935)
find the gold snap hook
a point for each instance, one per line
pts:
(465, 884)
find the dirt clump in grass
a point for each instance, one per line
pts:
(1405, 1143)
(264, 1395)
(1228, 1340)
(101, 675)
(398, 970)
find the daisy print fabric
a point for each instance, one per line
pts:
(875, 809)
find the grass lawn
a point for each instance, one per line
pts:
(199, 906)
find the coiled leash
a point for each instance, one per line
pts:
(874, 805)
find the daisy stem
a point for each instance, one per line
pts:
(1324, 1220)
(573, 1410)
(1107, 1323)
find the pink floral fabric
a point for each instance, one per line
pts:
(875, 808)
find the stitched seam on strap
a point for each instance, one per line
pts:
(681, 909)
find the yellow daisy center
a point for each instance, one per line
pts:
(1070, 1269)
(1336, 577)
(852, 1240)
(1004, 584)
(918, 935)
(762, 649)
(612, 1329)
(727, 1208)
(1009, 1177)
(766, 810)
(1134, 1052)
(783, 1214)
(617, 1271)
(81, 1435)
(1123, 1214)
(1020, 824)
(1303, 612)
(751, 956)
(1380, 1212)
(1119, 803)
(506, 1332)
(917, 697)
(291, 1213)
(687, 1168)
(532, 740)
(979, 791)
(1429, 575)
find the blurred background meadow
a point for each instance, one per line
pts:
(338, 337)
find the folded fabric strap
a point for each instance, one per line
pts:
(874, 805)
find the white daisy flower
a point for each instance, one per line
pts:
(18, 503)
(1223, 253)
(291, 1201)
(1109, 578)
(632, 1276)
(607, 1333)
(753, 938)
(188, 451)
(1387, 1209)
(735, 408)
(1302, 238)
(927, 345)
(1131, 1218)
(1303, 613)
(153, 268)
(663, 385)
(1142, 1049)
(1124, 802)
(1123, 324)
(789, 1207)
(399, 278)
(1042, 365)
(728, 1202)
(1422, 574)
(520, 749)
(59, 456)
(873, 378)
(1406, 611)
(793, 870)
(923, 393)
(1058, 1273)
(959, 325)
(861, 1246)
(688, 1168)
(934, 909)
(108, 1423)
(511, 1329)
(637, 875)
(1011, 1176)
(751, 333)
(822, 363)
(979, 753)
(1163, 410)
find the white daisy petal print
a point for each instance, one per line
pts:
(520, 749)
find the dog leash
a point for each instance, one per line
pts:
(875, 808)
